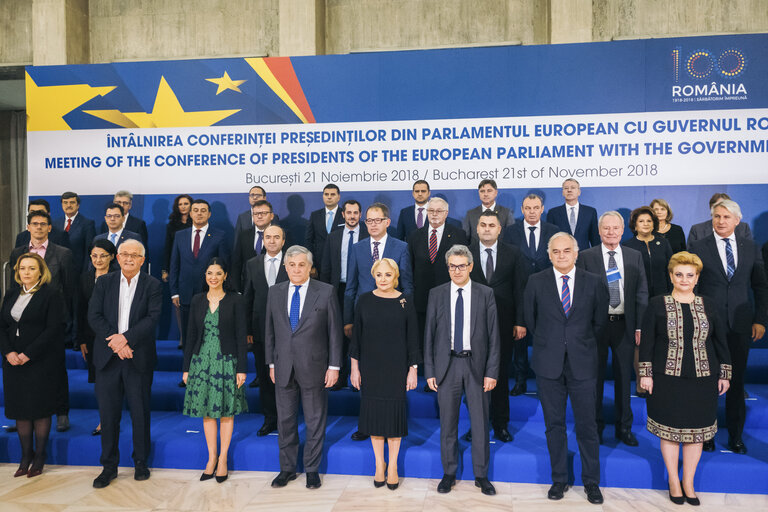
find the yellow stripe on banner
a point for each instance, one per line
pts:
(266, 74)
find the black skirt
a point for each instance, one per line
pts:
(683, 410)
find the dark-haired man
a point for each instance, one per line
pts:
(78, 227)
(56, 236)
(488, 191)
(250, 243)
(322, 222)
(414, 217)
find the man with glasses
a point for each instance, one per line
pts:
(245, 220)
(461, 357)
(250, 242)
(57, 236)
(322, 222)
(130, 222)
(116, 233)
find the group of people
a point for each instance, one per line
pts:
(362, 302)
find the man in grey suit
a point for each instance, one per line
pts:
(623, 272)
(303, 351)
(487, 190)
(704, 229)
(461, 356)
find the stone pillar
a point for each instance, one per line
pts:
(302, 27)
(60, 32)
(570, 21)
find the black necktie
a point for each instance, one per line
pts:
(458, 324)
(489, 265)
(532, 241)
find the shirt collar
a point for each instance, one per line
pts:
(492, 207)
(605, 249)
(383, 240)
(43, 245)
(305, 283)
(467, 287)
(570, 274)
(72, 218)
(492, 248)
(731, 237)
(537, 225)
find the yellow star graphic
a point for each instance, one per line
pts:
(47, 105)
(166, 113)
(225, 83)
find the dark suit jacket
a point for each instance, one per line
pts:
(586, 233)
(103, 315)
(517, 235)
(427, 275)
(316, 343)
(187, 275)
(470, 220)
(243, 252)
(733, 297)
(245, 222)
(57, 236)
(41, 329)
(359, 278)
(59, 262)
(484, 333)
(406, 222)
(314, 238)
(255, 292)
(133, 224)
(553, 333)
(507, 282)
(330, 272)
(81, 234)
(656, 262)
(635, 283)
(124, 235)
(232, 332)
(704, 229)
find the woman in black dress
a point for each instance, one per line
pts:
(384, 357)
(672, 232)
(684, 365)
(102, 254)
(32, 344)
(177, 220)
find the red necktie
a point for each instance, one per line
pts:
(196, 246)
(432, 246)
(69, 225)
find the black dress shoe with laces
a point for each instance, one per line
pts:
(254, 383)
(626, 437)
(486, 487)
(503, 435)
(106, 476)
(446, 483)
(267, 428)
(557, 490)
(282, 479)
(737, 446)
(594, 495)
(313, 480)
(140, 471)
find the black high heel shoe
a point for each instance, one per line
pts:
(392, 487)
(691, 501)
(677, 500)
(207, 476)
(378, 484)
(221, 479)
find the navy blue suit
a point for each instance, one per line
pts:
(406, 222)
(517, 234)
(134, 224)
(586, 233)
(81, 234)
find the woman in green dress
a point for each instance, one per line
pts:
(214, 365)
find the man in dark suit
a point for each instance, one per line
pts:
(250, 243)
(461, 356)
(322, 222)
(303, 351)
(575, 218)
(733, 270)
(124, 311)
(262, 272)
(130, 222)
(245, 220)
(565, 358)
(704, 229)
(487, 190)
(192, 249)
(57, 236)
(501, 267)
(623, 272)
(414, 217)
(79, 228)
(530, 236)
(378, 245)
(114, 219)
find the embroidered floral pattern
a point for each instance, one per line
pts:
(645, 369)
(726, 371)
(700, 333)
(681, 435)
(701, 328)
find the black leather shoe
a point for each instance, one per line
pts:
(254, 383)
(709, 446)
(691, 501)
(557, 490)
(182, 384)
(677, 500)
(593, 494)
(222, 479)
(503, 435)
(446, 483)
(207, 476)
(486, 487)
(96, 432)
(392, 487)
(267, 428)
(106, 476)
(467, 436)
(313, 480)
(358, 436)
(282, 479)
(378, 484)
(627, 437)
(140, 471)
(11, 428)
(737, 446)
(520, 388)
(62, 423)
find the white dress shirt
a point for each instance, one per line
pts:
(492, 207)
(278, 260)
(382, 244)
(203, 231)
(345, 248)
(721, 250)
(127, 292)
(466, 295)
(568, 209)
(21, 304)
(438, 235)
(536, 233)
(70, 218)
(484, 255)
(619, 257)
(571, 280)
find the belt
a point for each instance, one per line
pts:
(615, 318)
(462, 354)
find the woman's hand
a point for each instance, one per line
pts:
(240, 380)
(646, 383)
(722, 386)
(412, 379)
(13, 358)
(184, 377)
(83, 350)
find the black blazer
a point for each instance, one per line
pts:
(103, 311)
(243, 252)
(427, 275)
(133, 224)
(232, 333)
(586, 224)
(676, 238)
(85, 290)
(315, 236)
(517, 235)
(170, 232)
(733, 297)
(330, 271)
(59, 262)
(255, 292)
(507, 282)
(655, 263)
(704, 229)
(81, 234)
(553, 333)
(41, 328)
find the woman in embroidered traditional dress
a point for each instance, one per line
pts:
(684, 365)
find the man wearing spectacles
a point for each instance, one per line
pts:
(245, 220)
(116, 233)
(130, 222)
(57, 235)
(250, 242)
(461, 357)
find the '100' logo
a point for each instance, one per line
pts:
(703, 64)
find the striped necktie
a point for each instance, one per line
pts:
(565, 297)
(729, 260)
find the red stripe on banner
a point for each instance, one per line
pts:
(283, 70)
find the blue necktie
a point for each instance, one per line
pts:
(614, 292)
(259, 242)
(113, 239)
(329, 222)
(295, 308)
(458, 324)
(565, 297)
(729, 259)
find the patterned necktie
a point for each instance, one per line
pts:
(259, 242)
(420, 218)
(458, 323)
(113, 239)
(69, 225)
(433, 246)
(532, 241)
(613, 286)
(196, 245)
(572, 220)
(329, 222)
(376, 250)
(565, 297)
(272, 273)
(295, 307)
(489, 265)
(731, 263)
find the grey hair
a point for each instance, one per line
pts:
(459, 250)
(295, 250)
(439, 200)
(613, 213)
(134, 242)
(124, 193)
(730, 205)
(563, 234)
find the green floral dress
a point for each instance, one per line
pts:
(212, 382)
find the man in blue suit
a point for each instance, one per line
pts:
(378, 245)
(193, 248)
(130, 222)
(414, 217)
(114, 218)
(577, 219)
(81, 230)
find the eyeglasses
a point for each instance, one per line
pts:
(378, 221)
(435, 212)
(261, 214)
(130, 255)
(38, 224)
(458, 268)
(100, 256)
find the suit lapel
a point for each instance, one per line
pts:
(309, 303)
(140, 285)
(473, 311)
(712, 245)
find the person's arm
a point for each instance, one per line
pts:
(335, 331)
(647, 343)
(5, 342)
(641, 298)
(760, 290)
(429, 340)
(145, 328)
(269, 330)
(494, 343)
(415, 357)
(406, 275)
(594, 234)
